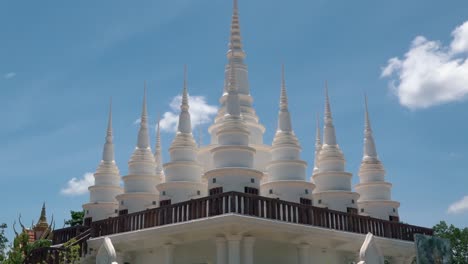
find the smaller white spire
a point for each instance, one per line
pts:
(158, 151)
(108, 152)
(143, 134)
(185, 125)
(329, 137)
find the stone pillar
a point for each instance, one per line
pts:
(169, 254)
(221, 250)
(248, 249)
(303, 255)
(234, 249)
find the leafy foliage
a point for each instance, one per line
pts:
(3, 242)
(76, 218)
(458, 240)
(73, 254)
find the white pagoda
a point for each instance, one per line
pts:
(237, 199)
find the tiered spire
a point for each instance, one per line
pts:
(143, 134)
(375, 193)
(102, 195)
(43, 217)
(158, 152)
(235, 44)
(284, 133)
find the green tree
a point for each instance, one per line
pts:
(3, 242)
(458, 240)
(76, 218)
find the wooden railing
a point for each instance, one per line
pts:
(256, 206)
(65, 234)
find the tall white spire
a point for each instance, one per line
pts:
(185, 125)
(158, 152)
(375, 193)
(235, 44)
(143, 133)
(284, 119)
(108, 152)
(329, 137)
(102, 203)
(370, 152)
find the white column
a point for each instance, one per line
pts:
(248, 244)
(234, 249)
(303, 256)
(221, 250)
(169, 251)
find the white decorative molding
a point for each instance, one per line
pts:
(370, 252)
(106, 253)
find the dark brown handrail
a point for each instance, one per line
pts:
(256, 206)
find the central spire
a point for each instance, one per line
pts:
(158, 152)
(185, 125)
(235, 44)
(232, 103)
(318, 144)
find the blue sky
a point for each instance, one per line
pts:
(62, 60)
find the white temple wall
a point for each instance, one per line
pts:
(233, 156)
(182, 171)
(181, 191)
(104, 194)
(233, 180)
(106, 179)
(338, 201)
(379, 210)
(264, 251)
(135, 183)
(286, 170)
(287, 191)
(100, 212)
(374, 191)
(180, 154)
(326, 181)
(139, 204)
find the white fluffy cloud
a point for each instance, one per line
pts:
(78, 186)
(431, 73)
(459, 206)
(200, 113)
(9, 75)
